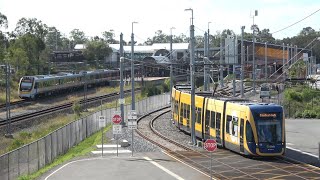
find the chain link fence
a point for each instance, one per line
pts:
(34, 156)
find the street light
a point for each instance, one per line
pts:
(253, 51)
(132, 69)
(193, 137)
(189, 9)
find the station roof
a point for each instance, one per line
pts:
(151, 48)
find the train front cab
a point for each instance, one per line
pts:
(26, 87)
(268, 129)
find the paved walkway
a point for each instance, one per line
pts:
(141, 166)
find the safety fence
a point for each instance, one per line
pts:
(34, 156)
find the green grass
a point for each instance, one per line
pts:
(82, 149)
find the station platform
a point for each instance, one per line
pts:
(150, 165)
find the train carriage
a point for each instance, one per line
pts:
(255, 129)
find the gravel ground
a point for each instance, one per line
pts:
(164, 125)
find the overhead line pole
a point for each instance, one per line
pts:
(193, 111)
(221, 66)
(242, 61)
(133, 107)
(205, 86)
(121, 78)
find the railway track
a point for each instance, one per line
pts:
(26, 116)
(14, 103)
(226, 164)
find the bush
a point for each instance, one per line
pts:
(298, 115)
(309, 114)
(15, 144)
(76, 108)
(165, 87)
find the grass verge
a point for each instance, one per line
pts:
(82, 149)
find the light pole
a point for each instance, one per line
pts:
(121, 78)
(171, 70)
(193, 137)
(253, 52)
(132, 69)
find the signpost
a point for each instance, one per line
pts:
(117, 128)
(132, 124)
(102, 122)
(210, 145)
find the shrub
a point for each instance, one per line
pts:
(298, 115)
(76, 108)
(309, 114)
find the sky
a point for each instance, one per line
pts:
(95, 16)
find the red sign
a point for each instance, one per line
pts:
(210, 145)
(116, 119)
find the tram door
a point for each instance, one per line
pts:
(241, 135)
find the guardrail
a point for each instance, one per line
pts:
(34, 156)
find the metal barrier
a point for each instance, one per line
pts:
(34, 156)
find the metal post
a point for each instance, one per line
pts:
(171, 70)
(253, 54)
(8, 112)
(283, 48)
(132, 70)
(121, 78)
(242, 61)
(228, 72)
(205, 86)
(101, 131)
(234, 68)
(211, 165)
(208, 54)
(265, 62)
(221, 66)
(193, 137)
(132, 142)
(85, 91)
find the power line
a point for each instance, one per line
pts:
(296, 22)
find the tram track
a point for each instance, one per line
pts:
(226, 164)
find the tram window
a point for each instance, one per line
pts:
(207, 117)
(218, 120)
(213, 119)
(229, 119)
(181, 110)
(249, 133)
(235, 126)
(198, 115)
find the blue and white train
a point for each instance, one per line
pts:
(31, 87)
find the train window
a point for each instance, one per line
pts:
(213, 119)
(218, 120)
(249, 133)
(228, 127)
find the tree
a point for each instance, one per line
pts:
(3, 21)
(19, 60)
(96, 50)
(265, 36)
(32, 46)
(78, 37)
(31, 26)
(108, 36)
(53, 39)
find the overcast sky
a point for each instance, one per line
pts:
(96, 16)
